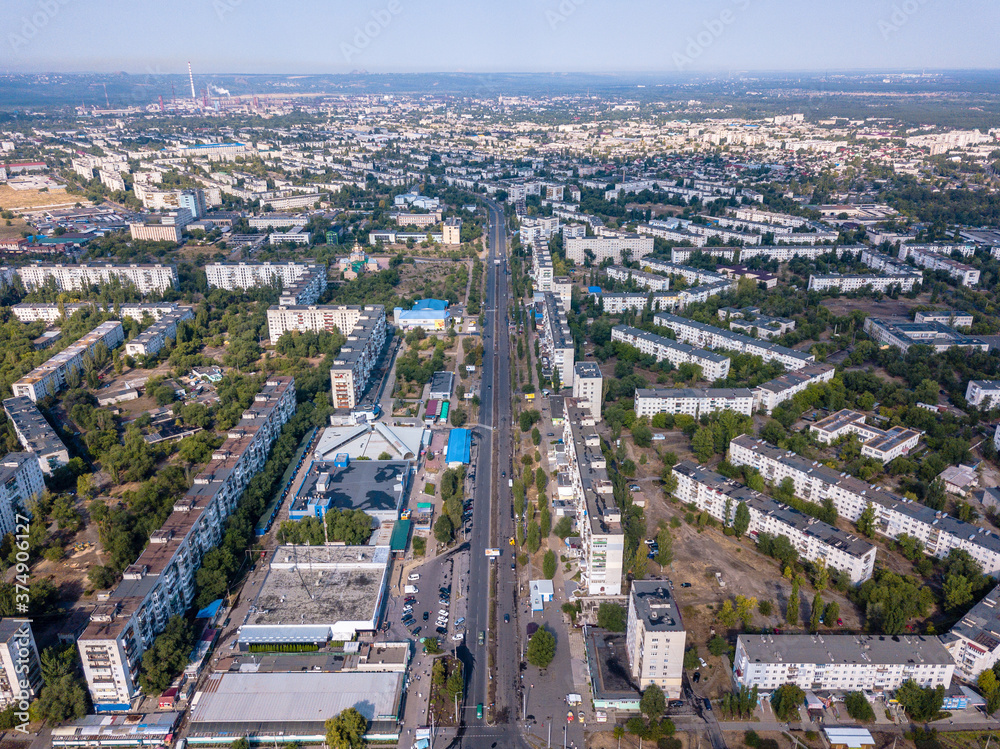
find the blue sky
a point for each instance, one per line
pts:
(337, 36)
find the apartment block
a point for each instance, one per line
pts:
(883, 282)
(813, 539)
(690, 274)
(615, 303)
(713, 366)
(556, 338)
(277, 220)
(451, 231)
(20, 664)
(841, 663)
(767, 217)
(655, 637)
(641, 279)
(147, 279)
(154, 338)
(50, 377)
(538, 230)
(934, 260)
(710, 337)
(692, 401)
(295, 235)
(615, 247)
(902, 333)
(983, 394)
(974, 641)
(883, 445)
(52, 312)
(769, 394)
(588, 387)
(35, 434)
(300, 283)
(541, 261)
(161, 582)
(21, 482)
(365, 329)
(419, 220)
(681, 255)
(598, 518)
(894, 515)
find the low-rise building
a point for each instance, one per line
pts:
(902, 333)
(769, 394)
(983, 394)
(35, 433)
(711, 337)
(749, 320)
(713, 366)
(928, 256)
(814, 540)
(951, 318)
(152, 339)
(883, 445)
(692, 401)
(655, 637)
(842, 663)
(49, 378)
(937, 532)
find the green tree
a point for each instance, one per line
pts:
(549, 565)
(786, 700)
(727, 614)
(920, 703)
(665, 546)
(792, 612)
(858, 707)
(653, 703)
(866, 522)
(817, 612)
(563, 528)
(541, 648)
(957, 592)
(346, 730)
(703, 444)
(832, 613)
(741, 521)
(611, 616)
(536, 436)
(444, 531)
(691, 658)
(642, 435)
(167, 657)
(534, 540)
(64, 698)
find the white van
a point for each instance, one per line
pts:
(413, 576)
(410, 589)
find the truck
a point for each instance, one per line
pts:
(410, 589)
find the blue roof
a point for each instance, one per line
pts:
(430, 304)
(429, 314)
(593, 289)
(211, 610)
(459, 446)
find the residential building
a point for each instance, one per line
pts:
(536, 231)
(814, 540)
(352, 369)
(451, 231)
(419, 220)
(840, 663)
(598, 518)
(937, 531)
(883, 445)
(53, 312)
(541, 261)
(20, 664)
(974, 641)
(50, 377)
(35, 434)
(710, 337)
(640, 278)
(951, 318)
(690, 274)
(655, 637)
(598, 249)
(277, 220)
(147, 279)
(692, 401)
(562, 287)
(769, 394)
(295, 235)
(844, 284)
(932, 259)
(681, 255)
(616, 303)
(713, 366)
(21, 483)
(983, 394)
(300, 283)
(588, 387)
(556, 338)
(161, 582)
(154, 338)
(749, 320)
(902, 333)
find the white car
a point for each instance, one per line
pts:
(443, 613)
(458, 636)
(703, 663)
(413, 576)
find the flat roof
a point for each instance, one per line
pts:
(369, 485)
(321, 586)
(655, 605)
(860, 649)
(297, 697)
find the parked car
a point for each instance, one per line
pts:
(703, 663)
(676, 703)
(696, 677)
(441, 631)
(482, 637)
(506, 617)
(458, 636)
(416, 631)
(413, 576)
(685, 585)
(460, 621)
(427, 615)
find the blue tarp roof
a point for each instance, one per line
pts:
(211, 610)
(459, 446)
(430, 304)
(593, 289)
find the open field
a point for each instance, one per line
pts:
(17, 225)
(13, 200)
(901, 307)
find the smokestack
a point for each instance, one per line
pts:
(191, 78)
(161, 102)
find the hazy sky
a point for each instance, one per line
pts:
(337, 36)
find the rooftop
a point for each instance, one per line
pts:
(829, 649)
(369, 485)
(655, 606)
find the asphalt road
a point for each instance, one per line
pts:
(492, 525)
